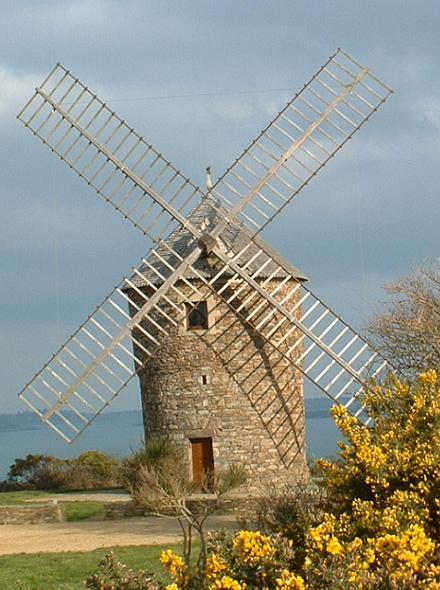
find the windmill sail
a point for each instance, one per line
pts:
(102, 356)
(109, 155)
(332, 356)
(149, 191)
(298, 143)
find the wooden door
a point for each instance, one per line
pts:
(202, 463)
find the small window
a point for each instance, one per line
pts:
(197, 315)
(204, 377)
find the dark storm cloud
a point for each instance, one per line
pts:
(373, 212)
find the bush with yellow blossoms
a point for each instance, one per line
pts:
(242, 561)
(382, 527)
(378, 527)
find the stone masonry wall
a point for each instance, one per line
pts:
(229, 384)
(31, 514)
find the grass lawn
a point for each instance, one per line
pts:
(83, 510)
(67, 571)
(8, 498)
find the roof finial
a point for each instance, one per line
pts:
(208, 178)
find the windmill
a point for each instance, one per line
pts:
(208, 281)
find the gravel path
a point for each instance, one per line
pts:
(89, 535)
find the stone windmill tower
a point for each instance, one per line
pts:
(220, 329)
(215, 387)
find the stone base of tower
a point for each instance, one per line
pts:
(218, 417)
(228, 398)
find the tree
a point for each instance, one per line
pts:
(164, 487)
(407, 331)
(38, 471)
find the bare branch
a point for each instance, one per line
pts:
(407, 330)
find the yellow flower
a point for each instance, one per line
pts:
(253, 547)
(354, 545)
(320, 535)
(214, 565)
(289, 581)
(369, 555)
(307, 563)
(333, 546)
(176, 566)
(430, 377)
(226, 583)
(387, 544)
(406, 549)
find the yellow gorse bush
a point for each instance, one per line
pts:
(407, 549)
(396, 461)
(382, 526)
(250, 559)
(247, 560)
(380, 529)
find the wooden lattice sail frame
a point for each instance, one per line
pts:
(98, 360)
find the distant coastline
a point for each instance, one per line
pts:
(24, 421)
(27, 420)
(118, 433)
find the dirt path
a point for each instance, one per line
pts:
(89, 535)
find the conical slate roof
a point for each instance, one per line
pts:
(233, 240)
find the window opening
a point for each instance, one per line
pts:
(197, 315)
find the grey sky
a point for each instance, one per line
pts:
(363, 221)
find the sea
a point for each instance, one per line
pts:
(119, 433)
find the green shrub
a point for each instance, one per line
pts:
(91, 470)
(290, 512)
(102, 467)
(115, 575)
(14, 486)
(152, 454)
